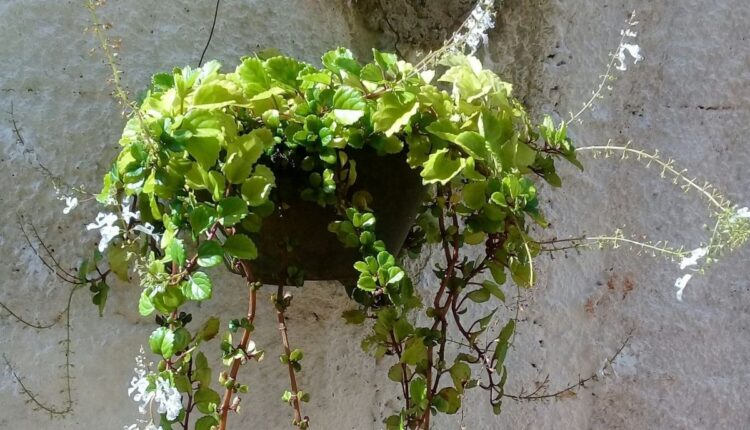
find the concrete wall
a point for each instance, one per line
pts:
(685, 367)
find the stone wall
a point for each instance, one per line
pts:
(690, 99)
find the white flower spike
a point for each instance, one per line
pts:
(104, 222)
(168, 399)
(633, 50)
(475, 28)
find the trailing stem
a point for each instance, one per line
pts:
(226, 403)
(281, 303)
(75, 281)
(541, 393)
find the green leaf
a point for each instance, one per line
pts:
(341, 59)
(474, 144)
(231, 210)
(418, 390)
(415, 352)
(444, 128)
(440, 167)
(284, 70)
(162, 81)
(206, 400)
(241, 246)
(474, 195)
(215, 184)
(460, 373)
(182, 383)
(419, 150)
(252, 76)
(256, 189)
(210, 254)
(387, 145)
(479, 296)
(354, 316)
(498, 272)
(386, 60)
(517, 154)
(210, 329)
(347, 116)
(372, 73)
(296, 355)
(396, 373)
(393, 113)
(117, 257)
(101, 291)
(205, 133)
(494, 289)
(161, 342)
(497, 128)
(502, 342)
(145, 305)
(448, 400)
(348, 98)
(216, 94)
(521, 272)
(197, 287)
(201, 218)
(243, 153)
(366, 282)
(206, 423)
(176, 252)
(181, 339)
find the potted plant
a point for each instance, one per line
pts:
(281, 172)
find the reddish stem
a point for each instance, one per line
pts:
(287, 350)
(237, 362)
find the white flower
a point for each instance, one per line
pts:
(147, 229)
(692, 259)
(126, 214)
(633, 50)
(104, 222)
(168, 399)
(475, 28)
(70, 204)
(140, 383)
(741, 213)
(680, 284)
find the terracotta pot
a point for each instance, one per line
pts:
(397, 192)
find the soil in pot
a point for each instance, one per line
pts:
(397, 192)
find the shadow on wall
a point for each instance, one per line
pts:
(413, 27)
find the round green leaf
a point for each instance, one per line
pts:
(197, 287)
(210, 253)
(241, 246)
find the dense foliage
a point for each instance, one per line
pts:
(196, 176)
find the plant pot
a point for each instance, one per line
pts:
(397, 193)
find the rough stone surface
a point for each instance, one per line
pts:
(685, 366)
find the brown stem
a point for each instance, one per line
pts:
(404, 377)
(237, 362)
(452, 258)
(189, 407)
(280, 306)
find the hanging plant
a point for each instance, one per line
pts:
(263, 168)
(281, 172)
